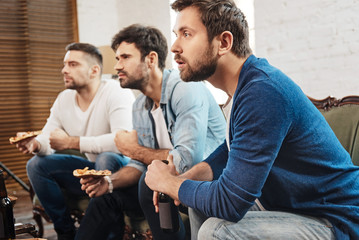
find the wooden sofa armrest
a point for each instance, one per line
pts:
(329, 102)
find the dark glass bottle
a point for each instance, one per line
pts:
(168, 213)
(7, 229)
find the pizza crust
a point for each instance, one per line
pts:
(28, 134)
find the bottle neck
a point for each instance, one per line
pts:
(3, 192)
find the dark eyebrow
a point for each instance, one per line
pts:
(69, 62)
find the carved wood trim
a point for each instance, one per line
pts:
(329, 102)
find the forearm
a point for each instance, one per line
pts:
(147, 155)
(125, 177)
(98, 144)
(200, 172)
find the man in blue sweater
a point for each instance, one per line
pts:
(281, 173)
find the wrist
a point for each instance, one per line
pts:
(110, 185)
(173, 185)
(74, 143)
(36, 146)
(135, 152)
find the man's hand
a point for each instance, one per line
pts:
(94, 187)
(27, 145)
(60, 140)
(126, 142)
(158, 175)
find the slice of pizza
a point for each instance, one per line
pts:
(80, 173)
(26, 135)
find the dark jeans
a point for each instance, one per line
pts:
(104, 216)
(51, 174)
(146, 201)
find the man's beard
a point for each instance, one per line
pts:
(202, 69)
(74, 86)
(138, 82)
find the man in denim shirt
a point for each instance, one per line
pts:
(168, 119)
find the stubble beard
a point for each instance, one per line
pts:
(138, 81)
(73, 86)
(202, 69)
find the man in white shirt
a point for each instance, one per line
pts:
(84, 118)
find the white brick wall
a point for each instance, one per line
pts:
(315, 42)
(99, 20)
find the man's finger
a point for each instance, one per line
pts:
(91, 190)
(155, 201)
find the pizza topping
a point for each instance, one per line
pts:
(90, 173)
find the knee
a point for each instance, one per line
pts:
(207, 229)
(103, 160)
(34, 164)
(111, 161)
(105, 205)
(96, 205)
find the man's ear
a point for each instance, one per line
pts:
(95, 70)
(225, 42)
(152, 59)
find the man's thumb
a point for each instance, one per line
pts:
(170, 159)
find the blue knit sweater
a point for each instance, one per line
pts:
(283, 152)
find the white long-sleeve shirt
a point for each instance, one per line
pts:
(109, 111)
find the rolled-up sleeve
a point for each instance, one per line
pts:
(190, 129)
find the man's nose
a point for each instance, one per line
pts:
(176, 47)
(64, 70)
(118, 65)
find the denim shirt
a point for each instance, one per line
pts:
(195, 123)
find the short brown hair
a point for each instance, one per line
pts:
(219, 16)
(91, 50)
(146, 39)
